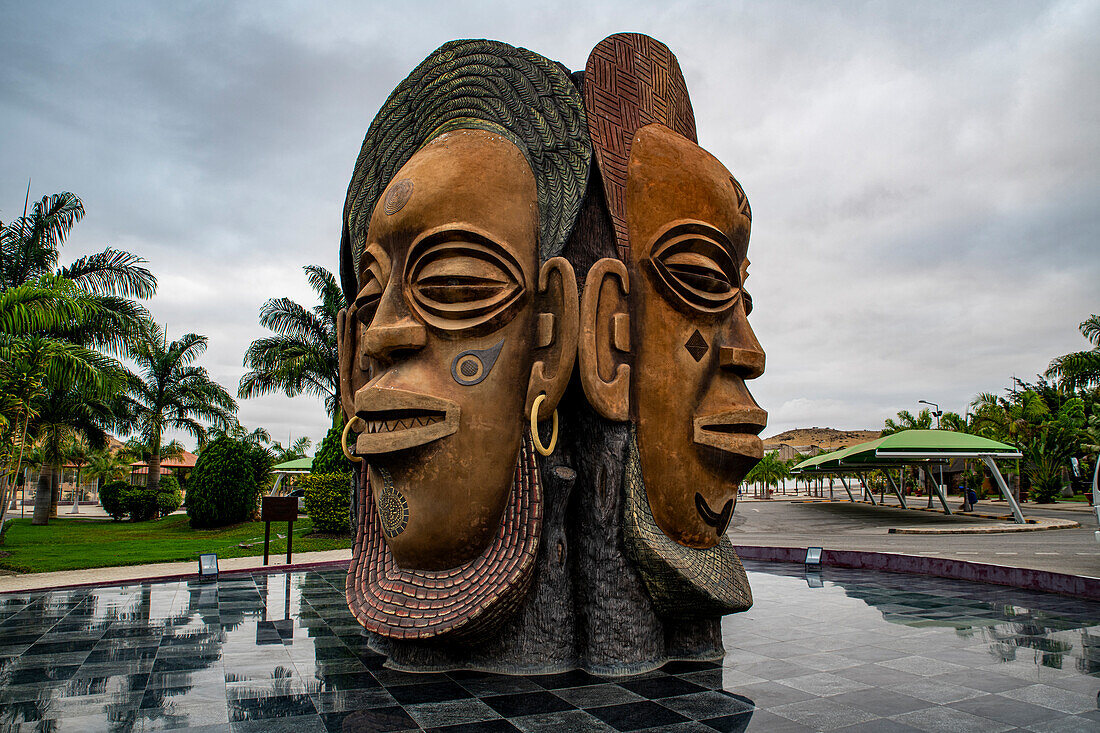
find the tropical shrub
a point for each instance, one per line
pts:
(226, 483)
(111, 498)
(330, 457)
(328, 501)
(169, 497)
(140, 503)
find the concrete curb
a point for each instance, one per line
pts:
(1033, 525)
(1078, 586)
(131, 574)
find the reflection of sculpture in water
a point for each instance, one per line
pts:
(461, 330)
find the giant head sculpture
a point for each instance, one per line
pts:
(665, 339)
(460, 332)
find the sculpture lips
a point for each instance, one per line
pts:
(733, 431)
(396, 419)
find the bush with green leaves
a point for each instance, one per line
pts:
(111, 499)
(169, 497)
(140, 503)
(226, 484)
(330, 457)
(328, 501)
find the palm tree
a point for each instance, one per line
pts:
(1080, 369)
(108, 465)
(301, 358)
(296, 450)
(52, 321)
(907, 421)
(64, 414)
(169, 393)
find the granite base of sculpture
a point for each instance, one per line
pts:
(543, 365)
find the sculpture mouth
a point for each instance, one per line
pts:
(396, 419)
(733, 431)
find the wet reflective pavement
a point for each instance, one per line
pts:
(840, 650)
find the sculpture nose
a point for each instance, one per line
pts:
(746, 359)
(746, 363)
(385, 342)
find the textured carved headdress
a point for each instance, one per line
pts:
(476, 84)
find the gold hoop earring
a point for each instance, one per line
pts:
(535, 427)
(344, 441)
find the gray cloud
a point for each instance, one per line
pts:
(923, 177)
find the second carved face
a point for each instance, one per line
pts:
(669, 339)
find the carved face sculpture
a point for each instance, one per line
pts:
(684, 323)
(697, 424)
(440, 350)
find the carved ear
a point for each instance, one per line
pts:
(604, 342)
(556, 335)
(346, 348)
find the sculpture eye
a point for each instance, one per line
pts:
(698, 268)
(366, 302)
(457, 283)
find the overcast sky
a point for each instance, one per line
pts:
(924, 177)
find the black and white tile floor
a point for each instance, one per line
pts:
(844, 650)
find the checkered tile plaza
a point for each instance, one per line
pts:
(839, 650)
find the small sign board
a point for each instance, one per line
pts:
(278, 509)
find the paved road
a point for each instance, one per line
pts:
(842, 525)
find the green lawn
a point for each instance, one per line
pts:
(71, 544)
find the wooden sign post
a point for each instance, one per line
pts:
(279, 509)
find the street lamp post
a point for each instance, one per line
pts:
(935, 413)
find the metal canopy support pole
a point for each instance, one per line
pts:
(869, 494)
(845, 484)
(894, 487)
(939, 490)
(940, 494)
(992, 466)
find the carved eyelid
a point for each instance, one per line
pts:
(702, 251)
(493, 280)
(372, 269)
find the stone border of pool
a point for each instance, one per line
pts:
(1079, 586)
(35, 582)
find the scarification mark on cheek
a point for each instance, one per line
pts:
(697, 346)
(473, 365)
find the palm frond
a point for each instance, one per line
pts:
(112, 272)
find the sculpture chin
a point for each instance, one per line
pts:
(397, 420)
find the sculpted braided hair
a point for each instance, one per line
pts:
(482, 85)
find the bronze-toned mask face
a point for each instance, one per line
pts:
(439, 349)
(697, 424)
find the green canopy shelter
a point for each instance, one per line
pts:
(289, 468)
(921, 448)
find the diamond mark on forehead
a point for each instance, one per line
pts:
(697, 346)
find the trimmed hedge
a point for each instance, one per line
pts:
(111, 499)
(226, 484)
(169, 497)
(328, 501)
(140, 503)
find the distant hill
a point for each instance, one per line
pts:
(827, 438)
